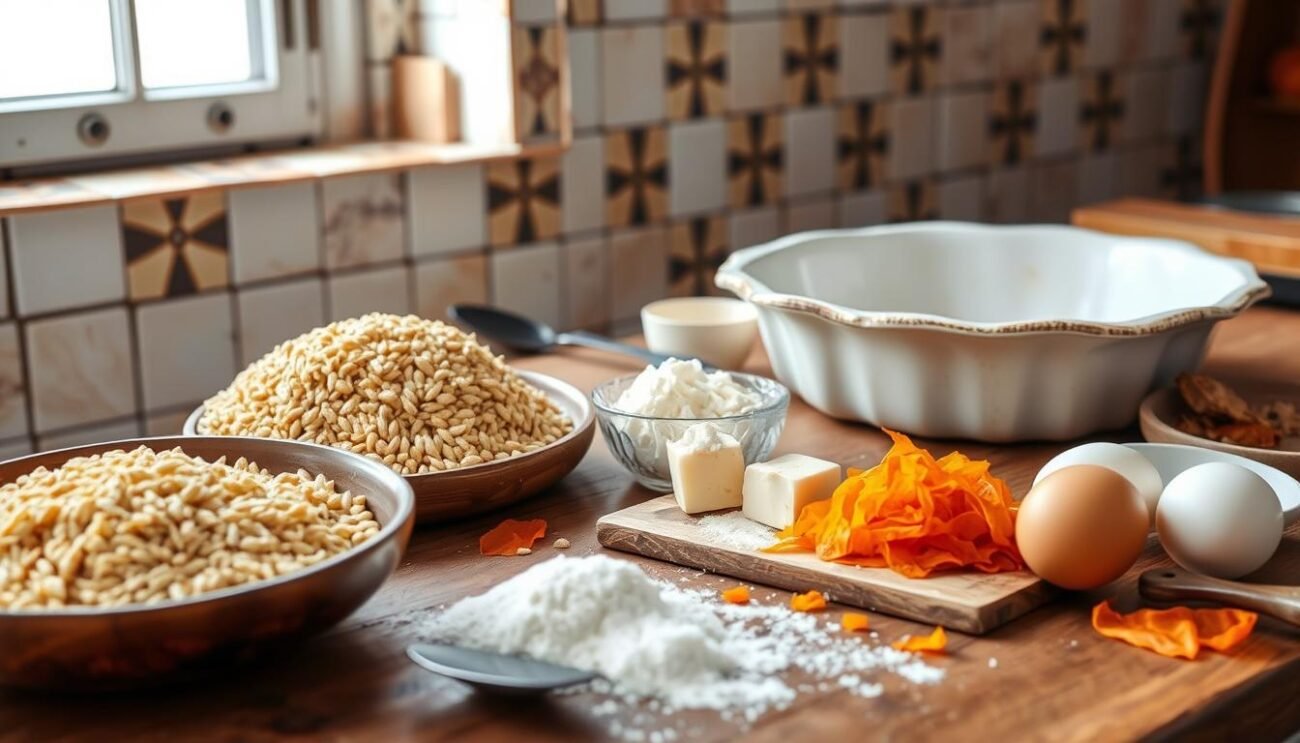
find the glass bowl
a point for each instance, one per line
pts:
(640, 442)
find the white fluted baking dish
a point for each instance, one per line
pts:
(946, 329)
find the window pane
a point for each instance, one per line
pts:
(194, 42)
(49, 47)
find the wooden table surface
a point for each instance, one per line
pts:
(1055, 678)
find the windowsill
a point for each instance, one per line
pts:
(270, 168)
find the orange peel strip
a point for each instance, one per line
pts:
(855, 622)
(509, 536)
(1178, 632)
(737, 595)
(935, 642)
(808, 602)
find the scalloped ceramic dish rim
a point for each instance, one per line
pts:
(548, 386)
(405, 511)
(782, 401)
(732, 277)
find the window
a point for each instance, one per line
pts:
(105, 78)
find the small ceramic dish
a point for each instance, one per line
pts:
(640, 442)
(440, 496)
(90, 648)
(716, 330)
(1171, 459)
(1161, 410)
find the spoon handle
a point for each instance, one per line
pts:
(1172, 584)
(591, 340)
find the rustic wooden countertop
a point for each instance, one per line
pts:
(1055, 678)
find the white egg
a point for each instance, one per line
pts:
(1132, 466)
(1220, 519)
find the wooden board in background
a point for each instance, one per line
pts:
(966, 601)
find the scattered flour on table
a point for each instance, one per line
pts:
(655, 641)
(682, 389)
(733, 530)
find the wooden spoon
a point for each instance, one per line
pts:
(1173, 584)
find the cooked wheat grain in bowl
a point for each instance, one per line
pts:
(145, 526)
(419, 395)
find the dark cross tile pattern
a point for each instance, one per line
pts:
(392, 29)
(537, 82)
(636, 176)
(915, 49)
(1199, 23)
(811, 58)
(523, 200)
(862, 145)
(913, 201)
(696, 248)
(1064, 31)
(585, 12)
(1013, 122)
(755, 159)
(1101, 112)
(175, 247)
(696, 69)
(1183, 178)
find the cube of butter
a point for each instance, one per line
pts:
(776, 491)
(707, 468)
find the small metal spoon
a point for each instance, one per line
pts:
(523, 334)
(494, 672)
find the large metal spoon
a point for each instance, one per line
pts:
(523, 334)
(494, 672)
(1172, 585)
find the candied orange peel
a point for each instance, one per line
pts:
(808, 602)
(736, 595)
(855, 622)
(935, 642)
(913, 514)
(511, 536)
(1179, 632)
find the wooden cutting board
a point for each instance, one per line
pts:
(967, 601)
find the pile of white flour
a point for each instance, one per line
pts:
(682, 389)
(650, 639)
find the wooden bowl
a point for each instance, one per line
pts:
(440, 496)
(94, 649)
(1161, 410)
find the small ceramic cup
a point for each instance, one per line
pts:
(716, 330)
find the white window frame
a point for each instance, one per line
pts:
(279, 103)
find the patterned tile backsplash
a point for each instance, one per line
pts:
(700, 127)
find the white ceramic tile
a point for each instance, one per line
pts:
(1098, 175)
(754, 77)
(1007, 194)
(632, 72)
(274, 231)
(1058, 116)
(446, 209)
(1146, 103)
(66, 258)
(171, 423)
(801, 5)
(526, 279)
(809, 151)
(187, 349)
(584, 77)
(269, 315)
(360, 292)
(586, 289)
(810, 215)
(967, 44)
(534, 11)
(1102, 48)
(860, 208)
(85, 435)
(864, 3)
(628, 10)
(963, 130)
(447, 281)
(80, 368)
(363, 219)
(912, 137)
(864, 55)
(743, 7)
(1015, 36)
(638, 270)
(697, 152)
(583, 176)
(1187, 90)
(1052, 189)
(1163, 29)
(4, 272)
(962, 198)
(15, 448)
(753, 227)
(13, 393)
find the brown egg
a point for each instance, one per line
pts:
(1082, 526)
